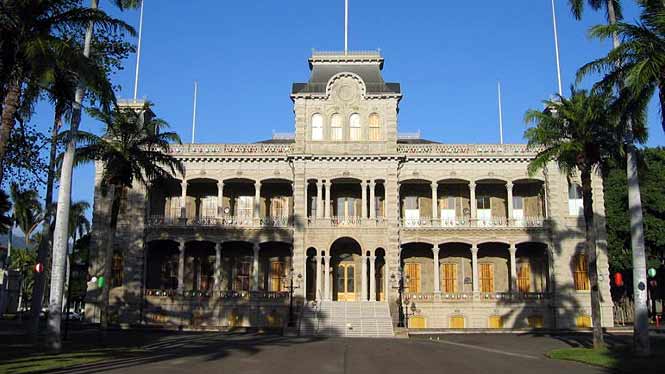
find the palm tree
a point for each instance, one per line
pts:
(629, 69)
(5, 207)
(29, 33)
(26, 211)
(79, 224)
(578, 134)
(59, 81)
(64, 192)
(133, 148)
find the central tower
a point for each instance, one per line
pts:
(346, 107)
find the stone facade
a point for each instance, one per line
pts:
(346, 209)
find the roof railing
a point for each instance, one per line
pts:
(367, 53)
(409, 135)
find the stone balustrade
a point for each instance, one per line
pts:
(230, 149)
(224, 221)
(467, 149)
(495, 297)
(465, 222)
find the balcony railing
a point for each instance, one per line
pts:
(444, 297)
(345, 222)
(224, 221)
(467, 149)
(230, 149)
(465, 222)
(226, 295)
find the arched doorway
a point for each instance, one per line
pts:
(346, 272)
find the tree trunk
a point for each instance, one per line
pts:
(592, 256)
(61, 232)
(641, 325)
(10, 105)
(44, 244)
(116, 199)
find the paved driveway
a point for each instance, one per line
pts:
(219, 353)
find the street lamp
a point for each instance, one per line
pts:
(291, 288)
(399, 282)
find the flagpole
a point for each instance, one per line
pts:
(346, 26)
(556, 48)
(196, 92)
(138, 54)
(500, 114)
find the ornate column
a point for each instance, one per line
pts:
(513, 268)
(218, 266)
(326, 278)
(183, 200)
(509, 190)
(435, 200)
(257, 200)
(220, 198)
(372, 199)
(363, 209)
(472, 198)
(437, 276)
(318, 292)
(181, 267)
(327, 204)
(372, 278)
(255, 268)
(363, 269)
(319, 199)
(474, 266)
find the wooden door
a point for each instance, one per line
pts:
(450, 278)
(496, 322)
(379, 282)
(536, 322)
(583, 322)
(524, 277)
(457, 322)
(486, 277)
(412, 271)
(417, 322)
(346, 277)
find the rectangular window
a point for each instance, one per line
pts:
(483, 202)
(575, 202)
(276, 273)
(245, 208)
(450, 278)
(243, 271)
(581, 273)
(524, 277)
(486, 277)
(412, 283)
(536, 322)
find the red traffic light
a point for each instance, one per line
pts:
(618, 279)
(39, 268)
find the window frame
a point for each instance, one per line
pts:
(336, 128)
(355, 132)
(374, 128)
(320, 136)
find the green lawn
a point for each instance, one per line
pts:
(620, 359)
(42, 362)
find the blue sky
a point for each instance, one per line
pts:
(448, 56)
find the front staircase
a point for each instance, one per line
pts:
(347, 319)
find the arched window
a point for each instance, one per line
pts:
(355, 131)
(374, 127)
(317, 127)
(336, 127)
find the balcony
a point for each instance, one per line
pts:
(224, 295)
(465, 222)
(481, 297)
(225, 221)
(346, 222)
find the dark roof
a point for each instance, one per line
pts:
(277, 141)
(416, 141)
(370, 74)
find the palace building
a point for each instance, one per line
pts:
(347, 227)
